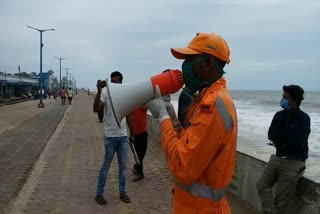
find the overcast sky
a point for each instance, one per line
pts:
(272, 42)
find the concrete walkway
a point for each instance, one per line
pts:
(22, 143)
(13, 115)
(64, 178)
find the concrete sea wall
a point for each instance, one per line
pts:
(252, 155)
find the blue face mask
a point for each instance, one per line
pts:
(191, 82)
(284, 103)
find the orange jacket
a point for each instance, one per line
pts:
(202, 158)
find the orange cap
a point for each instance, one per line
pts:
(212, 44)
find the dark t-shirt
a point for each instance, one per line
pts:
(185, 99)
(290, 133)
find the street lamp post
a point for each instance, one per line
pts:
(40, 105)
(75, 86)
(60, 71)
(69, 79)
(67, 76)
(73, 82)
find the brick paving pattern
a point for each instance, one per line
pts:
(67, 181)
(12, 115)
(20, 148)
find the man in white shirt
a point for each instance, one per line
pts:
(115, 141)
(70, 95)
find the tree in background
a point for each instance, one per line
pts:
(23, 74)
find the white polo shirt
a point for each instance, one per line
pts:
(111, 128)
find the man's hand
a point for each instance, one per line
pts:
(173, 117)
(157, 106)
(131, 139)
(99, 85)
(171, 111)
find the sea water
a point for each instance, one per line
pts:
(256, 109)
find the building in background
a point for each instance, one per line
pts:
(17, 86)
(46, 79)
(24, 84)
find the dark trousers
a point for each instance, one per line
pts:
(286, 174)
(140, 145)
(63, 99)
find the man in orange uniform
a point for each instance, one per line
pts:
(139, 138)
(202, 158)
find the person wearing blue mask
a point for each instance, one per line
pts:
(289, 132)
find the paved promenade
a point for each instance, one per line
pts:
(13, 115)
(25, 131)
(63, 179)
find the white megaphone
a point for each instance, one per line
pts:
(126, 97)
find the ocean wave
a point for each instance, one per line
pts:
(256, 118)
(307, 104)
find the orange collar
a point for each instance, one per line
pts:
(220, 83)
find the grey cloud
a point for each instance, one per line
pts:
(277, 39)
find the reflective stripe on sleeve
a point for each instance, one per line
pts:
(203, 191)
(224, 114)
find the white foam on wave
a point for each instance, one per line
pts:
(257, 119)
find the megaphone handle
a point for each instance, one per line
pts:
(133, 152)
